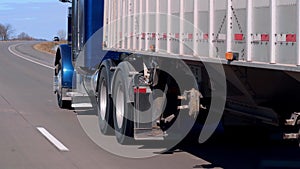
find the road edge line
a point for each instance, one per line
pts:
(30, 60)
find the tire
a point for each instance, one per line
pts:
(63, 104)
(104, 104)
(123, 111)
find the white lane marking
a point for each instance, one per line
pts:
(52, 139)
(30, 60)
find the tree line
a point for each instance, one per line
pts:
(7, 33)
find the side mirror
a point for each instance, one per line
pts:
(56, 39)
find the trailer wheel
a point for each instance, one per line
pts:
(123, 111)
(63, 104)
(105, 105)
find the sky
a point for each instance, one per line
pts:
(41, 19)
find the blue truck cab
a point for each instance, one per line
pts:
(80, 59)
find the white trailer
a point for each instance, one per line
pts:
(263, 33)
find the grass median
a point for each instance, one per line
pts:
(48, 47)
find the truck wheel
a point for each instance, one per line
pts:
(105, 105)
(123, 111)
(63, 104)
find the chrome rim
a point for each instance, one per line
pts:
(120, 106)
(59, 86)
(103, 100)
(59, 80)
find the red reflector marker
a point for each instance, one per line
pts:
(177, 35)
(205, 36)
(238, 37)
(190, 36)
(165, 35)
(143, 35)
(140, 90)
(153, 35)
(291, 38)
(265, 38)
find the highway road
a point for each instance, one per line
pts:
(27, 104)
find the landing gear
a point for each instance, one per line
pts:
(294, 124)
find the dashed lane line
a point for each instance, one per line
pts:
(52, 139)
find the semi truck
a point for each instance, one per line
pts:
(149, 68)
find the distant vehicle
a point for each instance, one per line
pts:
(56, 39)
(256, 43)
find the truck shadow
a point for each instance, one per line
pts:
(239, 149)
(244, 151)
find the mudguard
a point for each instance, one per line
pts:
(64, 53)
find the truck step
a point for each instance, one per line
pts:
(76, 94)
(82, 105)
(81, 101)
